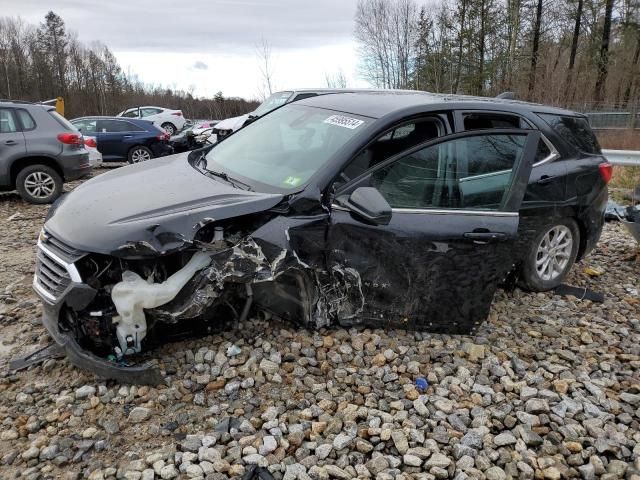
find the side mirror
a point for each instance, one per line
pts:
(368, 204)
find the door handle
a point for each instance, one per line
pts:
(482, 238)
(127, 136)
(10, 142)
(545, 179)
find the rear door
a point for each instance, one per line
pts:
(12, 143)
(438, 262)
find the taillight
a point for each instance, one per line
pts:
(90, 142)
(163, 136)
(606, 171)
(70, 138)
(177, 114)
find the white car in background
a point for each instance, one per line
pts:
(95, 157)
(171, 121)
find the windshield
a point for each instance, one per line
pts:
(285, 148)
(271, 103)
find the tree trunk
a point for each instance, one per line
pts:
(574, 50)
(456, 84)
(603, 63)
(534, 50)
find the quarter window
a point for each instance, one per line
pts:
(27, 121)
(466, 173)
(7, 121)
(575, 130)
(131, 113)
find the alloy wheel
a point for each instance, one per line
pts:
(39, 185)
(169, 129)
(140, 155)
(554, 252)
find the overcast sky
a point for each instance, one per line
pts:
(211, 45)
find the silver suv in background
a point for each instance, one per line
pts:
(39, 151)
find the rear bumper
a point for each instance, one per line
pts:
(75, 165)
(161, 149)
(81, 358)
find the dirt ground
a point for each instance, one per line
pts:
(549, 388)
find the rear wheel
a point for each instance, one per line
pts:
(170, 128)
(39, 184)
(139, 154)
(551, 256)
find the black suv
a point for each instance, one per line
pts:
(392, 209)
(39, 151)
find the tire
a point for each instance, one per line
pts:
(139, 154)
(39, 184)
(544, 270)
(169, 127)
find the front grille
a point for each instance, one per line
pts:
(54, 267)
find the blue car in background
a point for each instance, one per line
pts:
(121, 139)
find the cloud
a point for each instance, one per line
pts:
(218, 26)
(199, 65)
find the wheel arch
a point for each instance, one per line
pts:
(27, 161)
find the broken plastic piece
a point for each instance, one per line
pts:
(581, 293)
(133, 294)
(52, 350)
(593, 272)
(422, 384)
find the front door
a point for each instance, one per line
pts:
(449, 243)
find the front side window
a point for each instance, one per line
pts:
(114, 126)
(285, 148)
(575, 130)
(7, 121)
(389, 144)
(466, 173)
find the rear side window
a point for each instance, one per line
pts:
(574, 130)
(489, 120)
(7, 121)
(66, 124)
(27, 121)
(146, 112)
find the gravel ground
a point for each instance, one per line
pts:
(549, 388)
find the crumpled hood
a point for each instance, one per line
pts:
(233, 123)
(158, 203)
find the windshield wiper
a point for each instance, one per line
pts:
(233, 181)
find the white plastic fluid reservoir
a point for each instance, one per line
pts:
(218, 234)
(133, 294)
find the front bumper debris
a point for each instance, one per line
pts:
(144, 374)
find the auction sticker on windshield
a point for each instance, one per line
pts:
(342, 121)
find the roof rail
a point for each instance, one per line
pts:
(16, 101)
(507, 96)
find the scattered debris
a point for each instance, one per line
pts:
(593, 272)
(52, 350)
(581, 293)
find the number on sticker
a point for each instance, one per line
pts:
(342, 121)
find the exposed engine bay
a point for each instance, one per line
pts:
(136, 299)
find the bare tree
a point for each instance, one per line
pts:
(603, 61)
(336, 80)
(386, 33)
(535, 48)
(265, 63)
